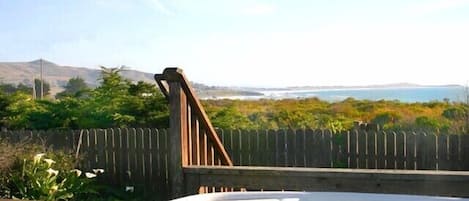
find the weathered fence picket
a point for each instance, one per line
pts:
(139, 157)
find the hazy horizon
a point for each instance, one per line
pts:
(249, 43)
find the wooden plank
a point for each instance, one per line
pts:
(326, 148)
(178, 137)
(454, 152)
(443, 152)
(339, 149)
(411, 151)
(244, 148)
(139, 157)
(362, 141)
(93, 149)
(195, 132)
(154, 160)
(352, 149)
(101, 147)
(310, 148)
(400, 150)
(253, 148)
(390, 152)
(109, 169)
(381, 149)
(210, 158)
(290, 147)
(430, 162)
(203, 147)
(464, 141)
(236, 139)
(119, 164)
(281, 149)
(372, 155)
(125, 156)
(446, 183)
(271, 147)
(163, 156)
(147, 160)
(262, 148)
(133, 168)
(300, 148)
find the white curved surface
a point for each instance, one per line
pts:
(311, 196)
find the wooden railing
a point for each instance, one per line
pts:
(415, 182)
(192, 138)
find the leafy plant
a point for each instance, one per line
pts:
(39, 179)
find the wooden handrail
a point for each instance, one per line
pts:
(192, 139)
(177, 75)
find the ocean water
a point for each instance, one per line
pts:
(406, 94)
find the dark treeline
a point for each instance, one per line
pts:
(118, 102)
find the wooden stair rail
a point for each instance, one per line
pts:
(192, 139)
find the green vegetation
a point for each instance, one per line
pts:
(313, 113)
(117, 102)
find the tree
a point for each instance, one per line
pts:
(4, 103)
(75, 87)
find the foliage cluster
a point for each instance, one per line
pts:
(50, 176)
(117, 102)
(314, 113)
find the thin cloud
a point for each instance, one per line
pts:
(437, 6)
(260, 9)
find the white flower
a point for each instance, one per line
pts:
(77, 171)
(49, 161)
(90, 175)
(97, 171)
(129, 189)
(53, 189)
(52, 171)
(38, 157)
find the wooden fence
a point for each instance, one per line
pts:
(139, 156)
(355, 149)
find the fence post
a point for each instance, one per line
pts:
(177, 138)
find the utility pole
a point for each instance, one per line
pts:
(34, 87)
(42, 81)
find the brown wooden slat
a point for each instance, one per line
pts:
(390, 150)
(464, 152)
(291, 148)
(411, 151)
(271, 147)
(310, 148)
(244, 148)
(400, 150)
(454, 152)
(362, 150)
(339, 150)
(352, 149)
(281, 148)
(381, 149)
(236, 139)
(300, 148)
(253, 148)
(262, 150)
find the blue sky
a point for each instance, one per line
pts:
(249, 43)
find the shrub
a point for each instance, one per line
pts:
(41, 178)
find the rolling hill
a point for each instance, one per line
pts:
(57, 76)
